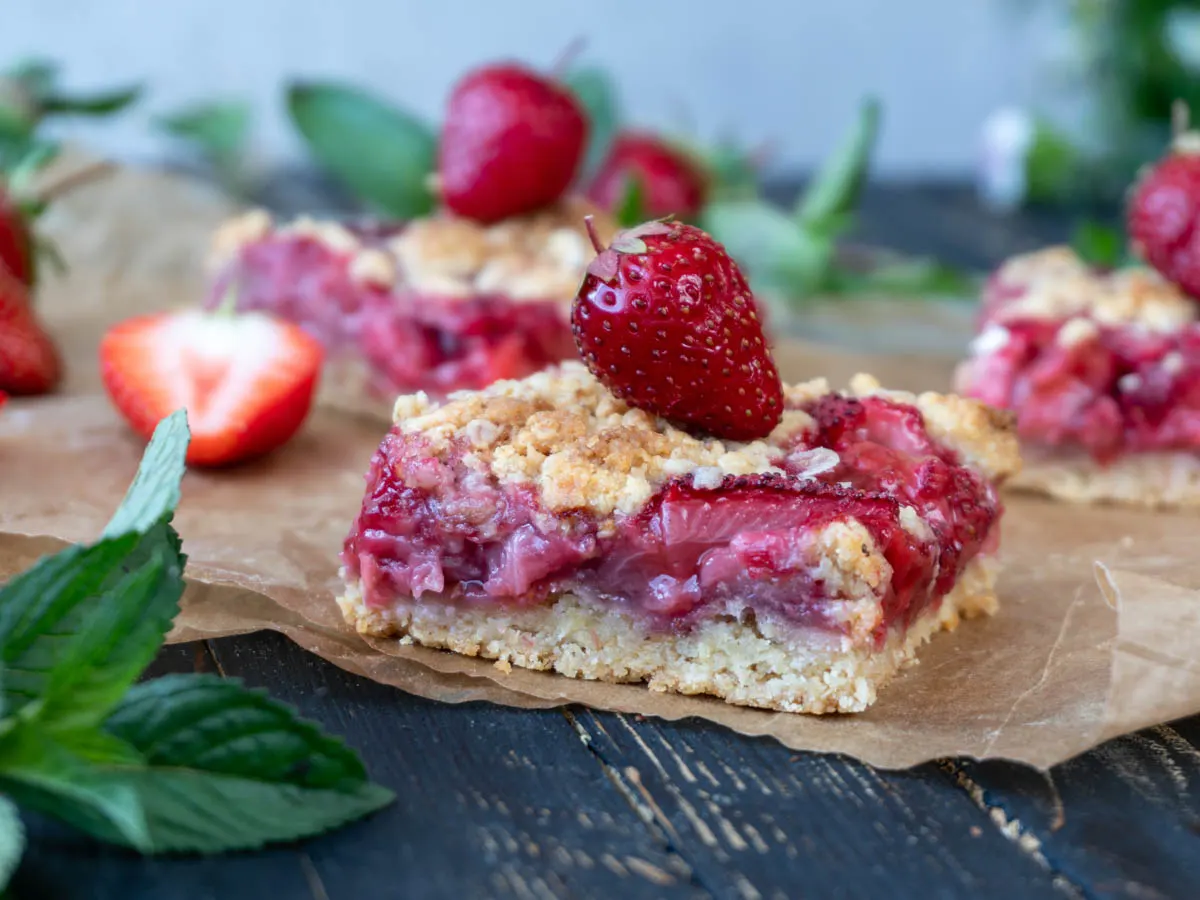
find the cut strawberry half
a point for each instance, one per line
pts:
(247, 381)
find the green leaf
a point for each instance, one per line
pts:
(835, 189)
(12, 840)
(383, 155)
(1054, 167)
(154, 492)
(777, 254)
(229, 768)
(598, 96)
(733, 174)
(42, 774)
(917, 277)
(217, 130)
(79, 626)
(42, 609)
(1099, 244)
(631, 210)
(38, 76)
(104, 103)
(118, 638)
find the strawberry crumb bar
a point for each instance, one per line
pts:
(1102, 371)
(437, 304)
(545, 523)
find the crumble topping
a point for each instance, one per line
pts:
(562, 431)
(1056, 284)
(541, 256)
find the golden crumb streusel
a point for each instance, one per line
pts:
(564, 432)
(541, 256)
(1057, 284)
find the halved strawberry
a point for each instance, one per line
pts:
(246, 380)
(29, 361)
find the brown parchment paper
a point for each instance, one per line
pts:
(1096, 635)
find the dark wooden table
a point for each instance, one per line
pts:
(496, 802)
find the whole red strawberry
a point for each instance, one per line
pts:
(665, 320)
(671, 183)
(511, 142)
(1163, 215)
(16, 242)
(29, 361)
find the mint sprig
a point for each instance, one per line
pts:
(793, 256)
(189, 763)
(383, 155)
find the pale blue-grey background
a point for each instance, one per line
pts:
(791, 72)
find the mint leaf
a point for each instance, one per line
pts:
(836, 187)
(598, 96)
(218, 131)
(118, 637)
(43, 774)
(154, 492)
(382, 155)
(12, 840)
(228, 768)
(41, 609)
(777, 254)
(79, 626)
(102, 104)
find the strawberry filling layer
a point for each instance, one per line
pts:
(433, 525)
(409, 340)
(1117, 391)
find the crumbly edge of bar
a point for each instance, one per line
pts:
(561, 431)
(536, 257)
(1058, 284)
(743, 660)
(1153, 480)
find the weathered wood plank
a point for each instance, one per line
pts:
(754, 819)
(1121, 821)
(492, 801)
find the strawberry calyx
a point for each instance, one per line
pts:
(631, 240)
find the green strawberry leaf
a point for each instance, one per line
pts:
(1099, 244)
(631, 210)
(104, 103)
(12, 840)
(598, 95)
(382, 155)
(835, 189)
(217, 130)
(777, 254)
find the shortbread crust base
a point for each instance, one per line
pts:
(1153, 480)
(742, 660)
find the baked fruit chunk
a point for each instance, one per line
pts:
(437, 304)
(545, 523)
(1102, 371)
